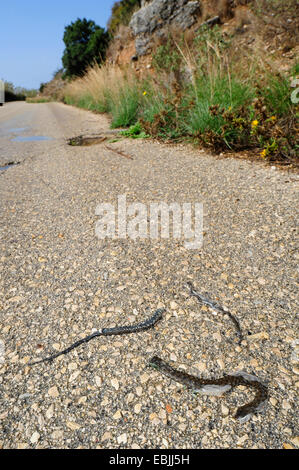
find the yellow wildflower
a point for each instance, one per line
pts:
(254, 123)
(264, 153)
(144, 93)
(273, 118)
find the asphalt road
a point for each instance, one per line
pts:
(59, 282)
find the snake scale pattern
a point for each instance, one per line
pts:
(118, 330)
(222, 385)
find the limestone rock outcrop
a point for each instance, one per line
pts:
(156, 16)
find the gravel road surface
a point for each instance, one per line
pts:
(59, 282)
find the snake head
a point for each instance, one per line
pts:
(154, 362)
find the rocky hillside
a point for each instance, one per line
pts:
(273, 26)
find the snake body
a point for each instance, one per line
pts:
(223, 385)
(217, 308)
(123, 330)
(118, 330)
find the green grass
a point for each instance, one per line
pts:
(124, 108)
(85, 101)
(277, 94)
(217, 108)
(226, 92)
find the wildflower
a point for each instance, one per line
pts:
(144, 93)
(264, 153)
(273, 118)
(254, 124)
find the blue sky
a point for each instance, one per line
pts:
(31, 33)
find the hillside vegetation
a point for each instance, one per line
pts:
(224, 85)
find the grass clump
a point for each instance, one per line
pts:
(124, 106)
(107, 90)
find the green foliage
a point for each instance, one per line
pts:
(85, 43)
(38, 100)
(162, 117)
(214, 105)
(228, 93)
(29, 93)
(121, 14)
(135, 132)
(277, 94)
(256, 118)
(85, 101)
(210, 40)
(295, 69)
(42, 87)
(223, 112)
(167, 58)
(124, 107)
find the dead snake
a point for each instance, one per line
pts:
(118, 330)
(218, 386)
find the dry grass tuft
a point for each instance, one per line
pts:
(108, 88)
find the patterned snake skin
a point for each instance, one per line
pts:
(217, 308)
(118, 330)
(218, 386)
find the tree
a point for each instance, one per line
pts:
(85, 43)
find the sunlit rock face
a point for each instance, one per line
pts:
(155, 16)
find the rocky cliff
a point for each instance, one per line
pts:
(156, 16)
